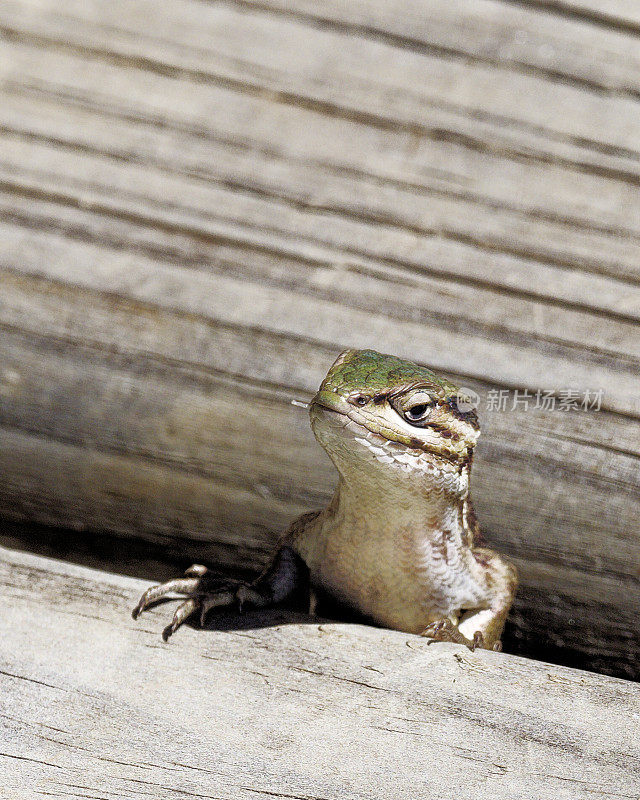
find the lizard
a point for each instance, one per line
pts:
(399, 541)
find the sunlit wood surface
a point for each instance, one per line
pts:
(95, 705)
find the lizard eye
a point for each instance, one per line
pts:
(417, 413)
(416, 408)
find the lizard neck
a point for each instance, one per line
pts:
(426, 495)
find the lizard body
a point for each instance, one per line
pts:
(398, 541)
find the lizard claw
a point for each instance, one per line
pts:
(443, 630)
(183, 612)
(202, 590)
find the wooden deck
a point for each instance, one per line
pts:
(95, 705)
(202, 203)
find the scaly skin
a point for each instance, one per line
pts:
(397, 540)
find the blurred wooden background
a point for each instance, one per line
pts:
(202, 203)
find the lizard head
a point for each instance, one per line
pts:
(371, 404)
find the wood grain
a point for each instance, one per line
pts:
(267, 705)
(202, 203)
(616, 14)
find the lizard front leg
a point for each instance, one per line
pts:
(205, 590)
(482, 626)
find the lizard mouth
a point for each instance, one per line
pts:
(315, 406)
(317, 411)
(330, 401)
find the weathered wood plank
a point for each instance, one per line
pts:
(201, 205)
(538, 350)
(443, 111)
(616, 14)
(268, 705)
(256, 54)
(591, 46)
(58, 111)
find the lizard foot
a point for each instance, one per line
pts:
(203, 590)
(445, 631)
